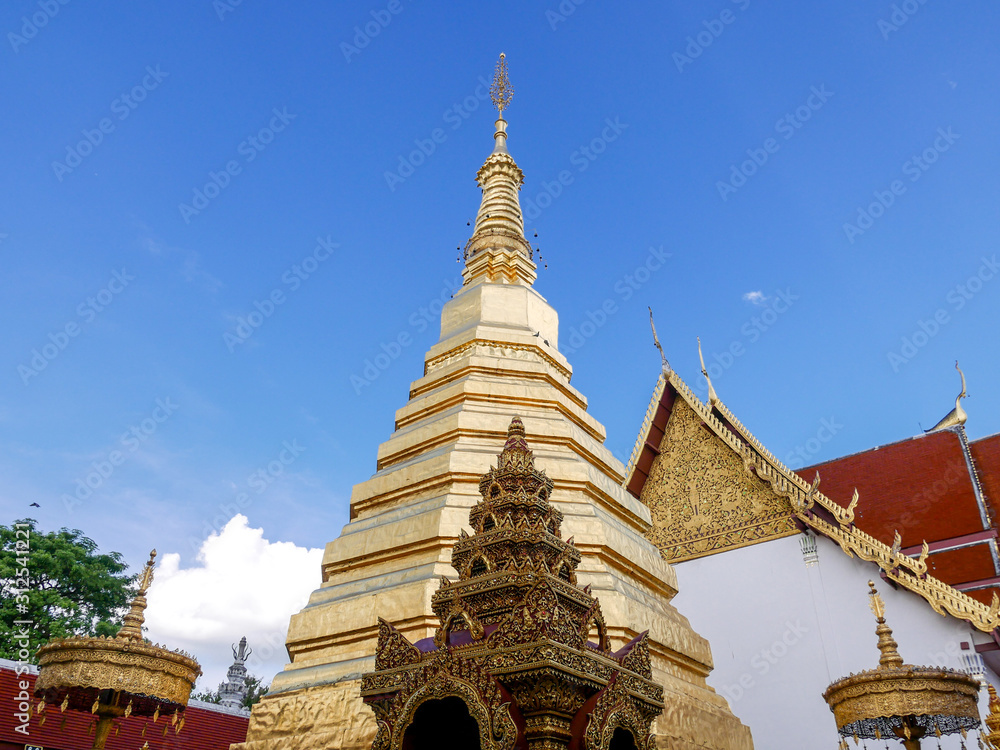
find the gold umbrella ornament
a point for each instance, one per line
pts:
(117, 677)
(897, 700)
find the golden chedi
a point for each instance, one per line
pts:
(498, 353)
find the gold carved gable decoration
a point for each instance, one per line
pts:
(702, 496)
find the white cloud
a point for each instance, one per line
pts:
(242, 584)
(756, 298)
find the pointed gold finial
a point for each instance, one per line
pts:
(890, 658)
(501, 92)
(132, 627)
(713, 398)
(956, 416)
(876, 602)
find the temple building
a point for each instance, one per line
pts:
(773, 563)
(233, 691)
(498, 355)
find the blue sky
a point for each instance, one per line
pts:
(739, 137)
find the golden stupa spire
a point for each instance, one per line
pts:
(132, 629)
(498, 251)
(890, 658)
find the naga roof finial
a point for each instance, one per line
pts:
(713, 397)
(956, 416)
(656, 342)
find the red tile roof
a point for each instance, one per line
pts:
(206, 727)
(920, 487)
(986, 456)
(923, 488)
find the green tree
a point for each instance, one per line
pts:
(59, 583)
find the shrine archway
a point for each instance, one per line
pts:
(443, 724)
(622, 739)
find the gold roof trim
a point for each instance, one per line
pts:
(901, 569)
(647, 422)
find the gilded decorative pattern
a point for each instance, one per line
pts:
(614, 710)
(499, 349)
(674, 521)
(703, 499)
(107, 663)
(514, 627)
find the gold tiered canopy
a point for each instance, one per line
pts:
(115, 677)
(901, 700)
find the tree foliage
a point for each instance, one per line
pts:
(60, 583)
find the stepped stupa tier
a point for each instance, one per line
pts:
(497, 355)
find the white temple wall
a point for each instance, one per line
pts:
(782, 630)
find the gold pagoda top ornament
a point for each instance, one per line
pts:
(501, 92)
(902, 700)
(498, 251)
